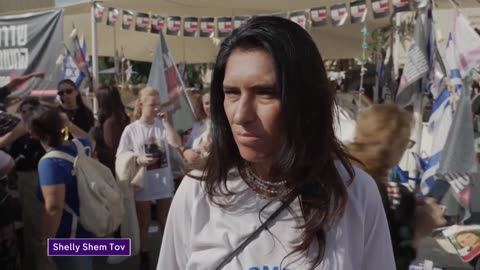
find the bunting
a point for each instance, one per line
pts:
(207, 27)
(112, 16)
(358, 11)
(338, 14)
(190, 26)
(174, 23)
(318, 16)
(156, 24)
(299, 17)
(99, 10)
(380, 8)
(127, 19)
(142, 22)
(401, 5)
(240, 20)
(224, 26)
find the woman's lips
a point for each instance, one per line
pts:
(247, 138)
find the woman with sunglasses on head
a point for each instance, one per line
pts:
(278, 191)
(72, 104)
(382, 136)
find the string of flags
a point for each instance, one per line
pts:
(207, 27)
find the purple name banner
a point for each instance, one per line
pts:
(89, 247)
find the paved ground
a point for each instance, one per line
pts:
(429, 250)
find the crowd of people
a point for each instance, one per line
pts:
(266, 182)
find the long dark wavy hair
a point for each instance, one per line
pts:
(306, 160)
(109, 105)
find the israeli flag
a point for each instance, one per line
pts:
(70, 69)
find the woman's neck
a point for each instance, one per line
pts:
(47, 147)
(261, 169)
(147, 120)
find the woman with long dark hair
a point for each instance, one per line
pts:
(71, 103)
(278, 190)
(112, 120)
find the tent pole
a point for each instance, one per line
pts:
(94, 56)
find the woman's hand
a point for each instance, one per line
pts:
(192, 156)
(146, 160)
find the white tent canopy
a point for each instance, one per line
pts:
(334, 42)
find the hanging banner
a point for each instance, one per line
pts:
(358, 11)
(240, 20)
(380, 8)
(112, 16)
(174, 24)
(401, 5)
(165, 77)
(99, 10)
(207, 27)
(127, 19)
(224, 26)
(339, 14)
(299, 17)
(156, 24)
(318, 16)
(142, 22)
(31, 43)
(190, 26)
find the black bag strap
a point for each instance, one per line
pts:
(255, 234)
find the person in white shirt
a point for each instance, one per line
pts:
(148, 138)
(274, 145)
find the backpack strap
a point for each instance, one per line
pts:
(79, 146)
(73, 231)
(255, 234)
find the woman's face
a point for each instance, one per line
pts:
(68, 94)
(151, 106)
(206, 104)
(252, 105)
(468, 239)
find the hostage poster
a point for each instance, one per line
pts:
(165, 78)
(30, 43)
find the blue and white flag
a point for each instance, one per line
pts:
(439, 124)
(70, 68)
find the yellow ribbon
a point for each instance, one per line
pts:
(66, 134)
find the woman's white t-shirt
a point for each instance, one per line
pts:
(138, 138)
(199, 234)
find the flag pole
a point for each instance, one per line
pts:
(418, 118)
(94, 82)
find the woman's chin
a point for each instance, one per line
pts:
(252, 156)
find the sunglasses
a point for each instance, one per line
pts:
(66, 91)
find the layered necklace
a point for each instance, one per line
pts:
(266, 189)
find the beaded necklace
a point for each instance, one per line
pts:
(264, 188)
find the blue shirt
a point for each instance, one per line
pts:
(55, 171)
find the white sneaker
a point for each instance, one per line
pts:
(116, 259)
